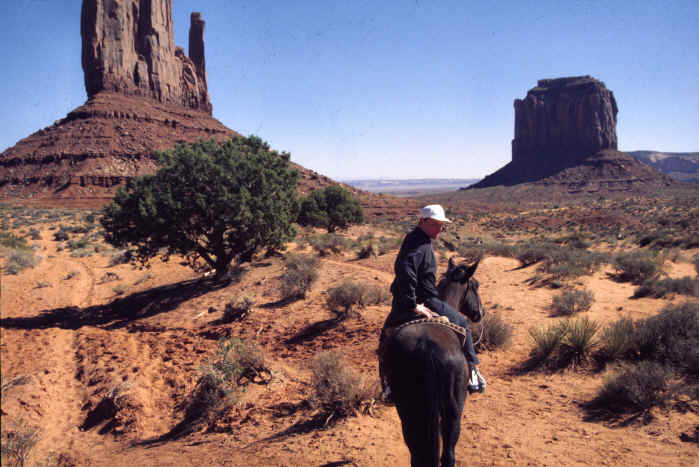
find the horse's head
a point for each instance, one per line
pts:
(460, 289)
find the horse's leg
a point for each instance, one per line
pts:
(453, 399)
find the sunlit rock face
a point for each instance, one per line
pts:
(128, 47)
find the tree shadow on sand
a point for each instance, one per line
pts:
(122, 311)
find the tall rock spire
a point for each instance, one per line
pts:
(128, 47)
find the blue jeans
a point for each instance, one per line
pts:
(442, 308)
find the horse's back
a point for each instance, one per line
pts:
(426, 372)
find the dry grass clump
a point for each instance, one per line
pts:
(655, 350)
(637, 266)
(327, 244)
(561, 261)
(338, 389)
(235, 360)
(695, 262)
(637, 387)
(237, 309)
(300, 272)
(568, 343)
(20, 260)
(571, 301)
(659, 288)
(18, 440)
(120, 257)
(350, 294)
(492, 332)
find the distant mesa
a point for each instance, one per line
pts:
(565, 136)
(143, 95)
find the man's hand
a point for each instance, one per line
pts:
(423, 310)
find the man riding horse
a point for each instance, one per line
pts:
(415, 293)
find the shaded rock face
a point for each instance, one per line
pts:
(565, 140)
(566, 118)
(128, 47)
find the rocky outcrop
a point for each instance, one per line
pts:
(569, 118)
(565, 135)
(128, 47)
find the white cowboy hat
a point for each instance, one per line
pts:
(433, 211)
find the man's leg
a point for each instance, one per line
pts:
(476, 380)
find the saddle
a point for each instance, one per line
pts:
(437, 320)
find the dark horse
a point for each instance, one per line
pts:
(426, 371)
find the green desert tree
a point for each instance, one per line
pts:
(218, 202)
(332, 207)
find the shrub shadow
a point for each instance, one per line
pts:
(313, 330)
(122, 311)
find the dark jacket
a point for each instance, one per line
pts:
(416, 269)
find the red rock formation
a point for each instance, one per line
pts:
(129, 48)
(144, 95)
(565, 136)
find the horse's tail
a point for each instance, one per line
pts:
(433, 407)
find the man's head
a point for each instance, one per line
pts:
(432, 220)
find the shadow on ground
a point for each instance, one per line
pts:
(122, 311)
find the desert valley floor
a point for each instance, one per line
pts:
(71, 334)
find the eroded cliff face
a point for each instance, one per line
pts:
(568, 118)
(565, 140)
(128, 47)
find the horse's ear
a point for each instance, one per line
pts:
(472, 269)
(450, 267)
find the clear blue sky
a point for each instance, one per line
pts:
(402, 89)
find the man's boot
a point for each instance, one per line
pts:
(476, 382)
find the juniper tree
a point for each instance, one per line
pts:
(218, 202)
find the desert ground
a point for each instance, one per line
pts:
(101, 357)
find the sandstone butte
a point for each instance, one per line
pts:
(144, 94)
(565, 139)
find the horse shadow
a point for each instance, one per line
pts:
(120, 312)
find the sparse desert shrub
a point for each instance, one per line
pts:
(42, 285)
(18, 440)
(82, 252)
(143, 278)
(339, 390)
(34, 234)
(328, 243)
(578, 342)
(78, 244)
(571, 301)
(531, 252)
(109, 277)
(670, 336)
(20, 260)
(617, 340)
(350, 293)
(12, 241)
(368, 250)
(237, 308)
(695, 261)
(387, 244)
(120, 257)
(491, 332)
(119, 289)
(658, 288)
(300, 272)
(637, 266)
(638, 387)
(61, 235)
(234, 360)
(71, 275)
(559, 261)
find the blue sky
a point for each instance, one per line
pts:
(399, 89)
